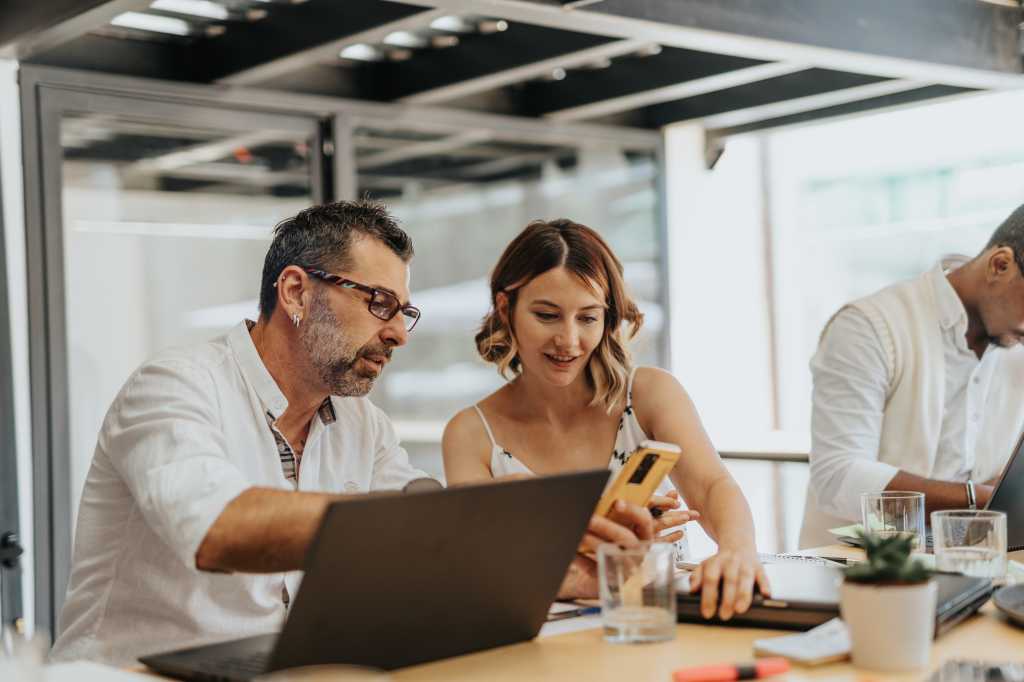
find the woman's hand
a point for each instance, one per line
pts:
(627, 526)
(731, 574)
(662, 507)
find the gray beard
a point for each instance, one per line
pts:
(331, 353)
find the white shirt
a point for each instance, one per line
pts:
(187, 434)
(850, 383)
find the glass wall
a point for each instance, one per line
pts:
(165, 229)
(866, 202)
(462, 206)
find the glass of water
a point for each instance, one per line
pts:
(972, 542)
(893, 513)
(638, 599)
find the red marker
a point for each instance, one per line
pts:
(765, 667)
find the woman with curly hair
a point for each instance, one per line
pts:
(558, 331)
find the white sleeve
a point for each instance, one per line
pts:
(391, 467)
(848, 404)
(163, 438)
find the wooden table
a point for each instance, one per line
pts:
(586, 656)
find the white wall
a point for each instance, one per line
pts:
(14, 236)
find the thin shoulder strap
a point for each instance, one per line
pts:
(490, 434)
(629, 386)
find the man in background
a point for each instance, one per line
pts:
(919, 387)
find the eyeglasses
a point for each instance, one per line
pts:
(383, 304)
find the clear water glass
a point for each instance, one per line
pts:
(638, 599)
(970, 541)
(894, 513)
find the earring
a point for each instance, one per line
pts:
(296, 319)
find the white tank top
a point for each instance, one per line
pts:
(627, 440)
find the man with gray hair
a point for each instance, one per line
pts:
(215, 463)
(918, 387)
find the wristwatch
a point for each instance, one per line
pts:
(972, 500)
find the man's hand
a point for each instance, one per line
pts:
(627, 526)
(661, 507)
(732, 574)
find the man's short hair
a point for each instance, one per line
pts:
(321, 237)
(1011, 233)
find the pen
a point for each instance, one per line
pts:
(582, 611)
(765, 667)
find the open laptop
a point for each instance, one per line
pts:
(1008, 498)
(394, 580)
(804, 596)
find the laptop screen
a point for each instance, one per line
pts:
(1009, 498)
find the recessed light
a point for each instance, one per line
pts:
(451, 23)
(361, 52)
(557, 74)
(196, 8)
(405, 39)
(492, 26)
(152, 22)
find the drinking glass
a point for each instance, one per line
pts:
(970, 541)
(894, 513)
(638, 599)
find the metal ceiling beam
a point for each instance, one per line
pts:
(663, 21)
(420, 149)
(887, 102)
(361, 113)
(699, 86)
(789, 107)
(28, 27)
(525, 72)
(205, 152)
(328, 52)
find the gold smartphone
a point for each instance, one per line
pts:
(643, 472)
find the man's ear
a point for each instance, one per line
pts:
(1001, 263)
(293, 290)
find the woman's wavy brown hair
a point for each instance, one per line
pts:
(543, 246)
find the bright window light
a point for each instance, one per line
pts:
(197, 8)
(152, 22)
(361, 52)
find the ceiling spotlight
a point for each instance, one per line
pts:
(214, 30)
(649, 50)
(442, 42)
(196, 8)
(451, 23)
(557, 74)
(401, 54)
(256, 14)
(152, 22)
(405, 39)
(361, 52)
(492, 26)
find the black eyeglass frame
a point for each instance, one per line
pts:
(387, 303)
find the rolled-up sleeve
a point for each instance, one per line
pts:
(850, 381)
(163, 438)
(391, 467)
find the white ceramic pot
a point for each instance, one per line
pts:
(891, 626)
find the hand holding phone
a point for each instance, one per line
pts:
(641, 475)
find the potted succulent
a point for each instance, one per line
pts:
(888, 603)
